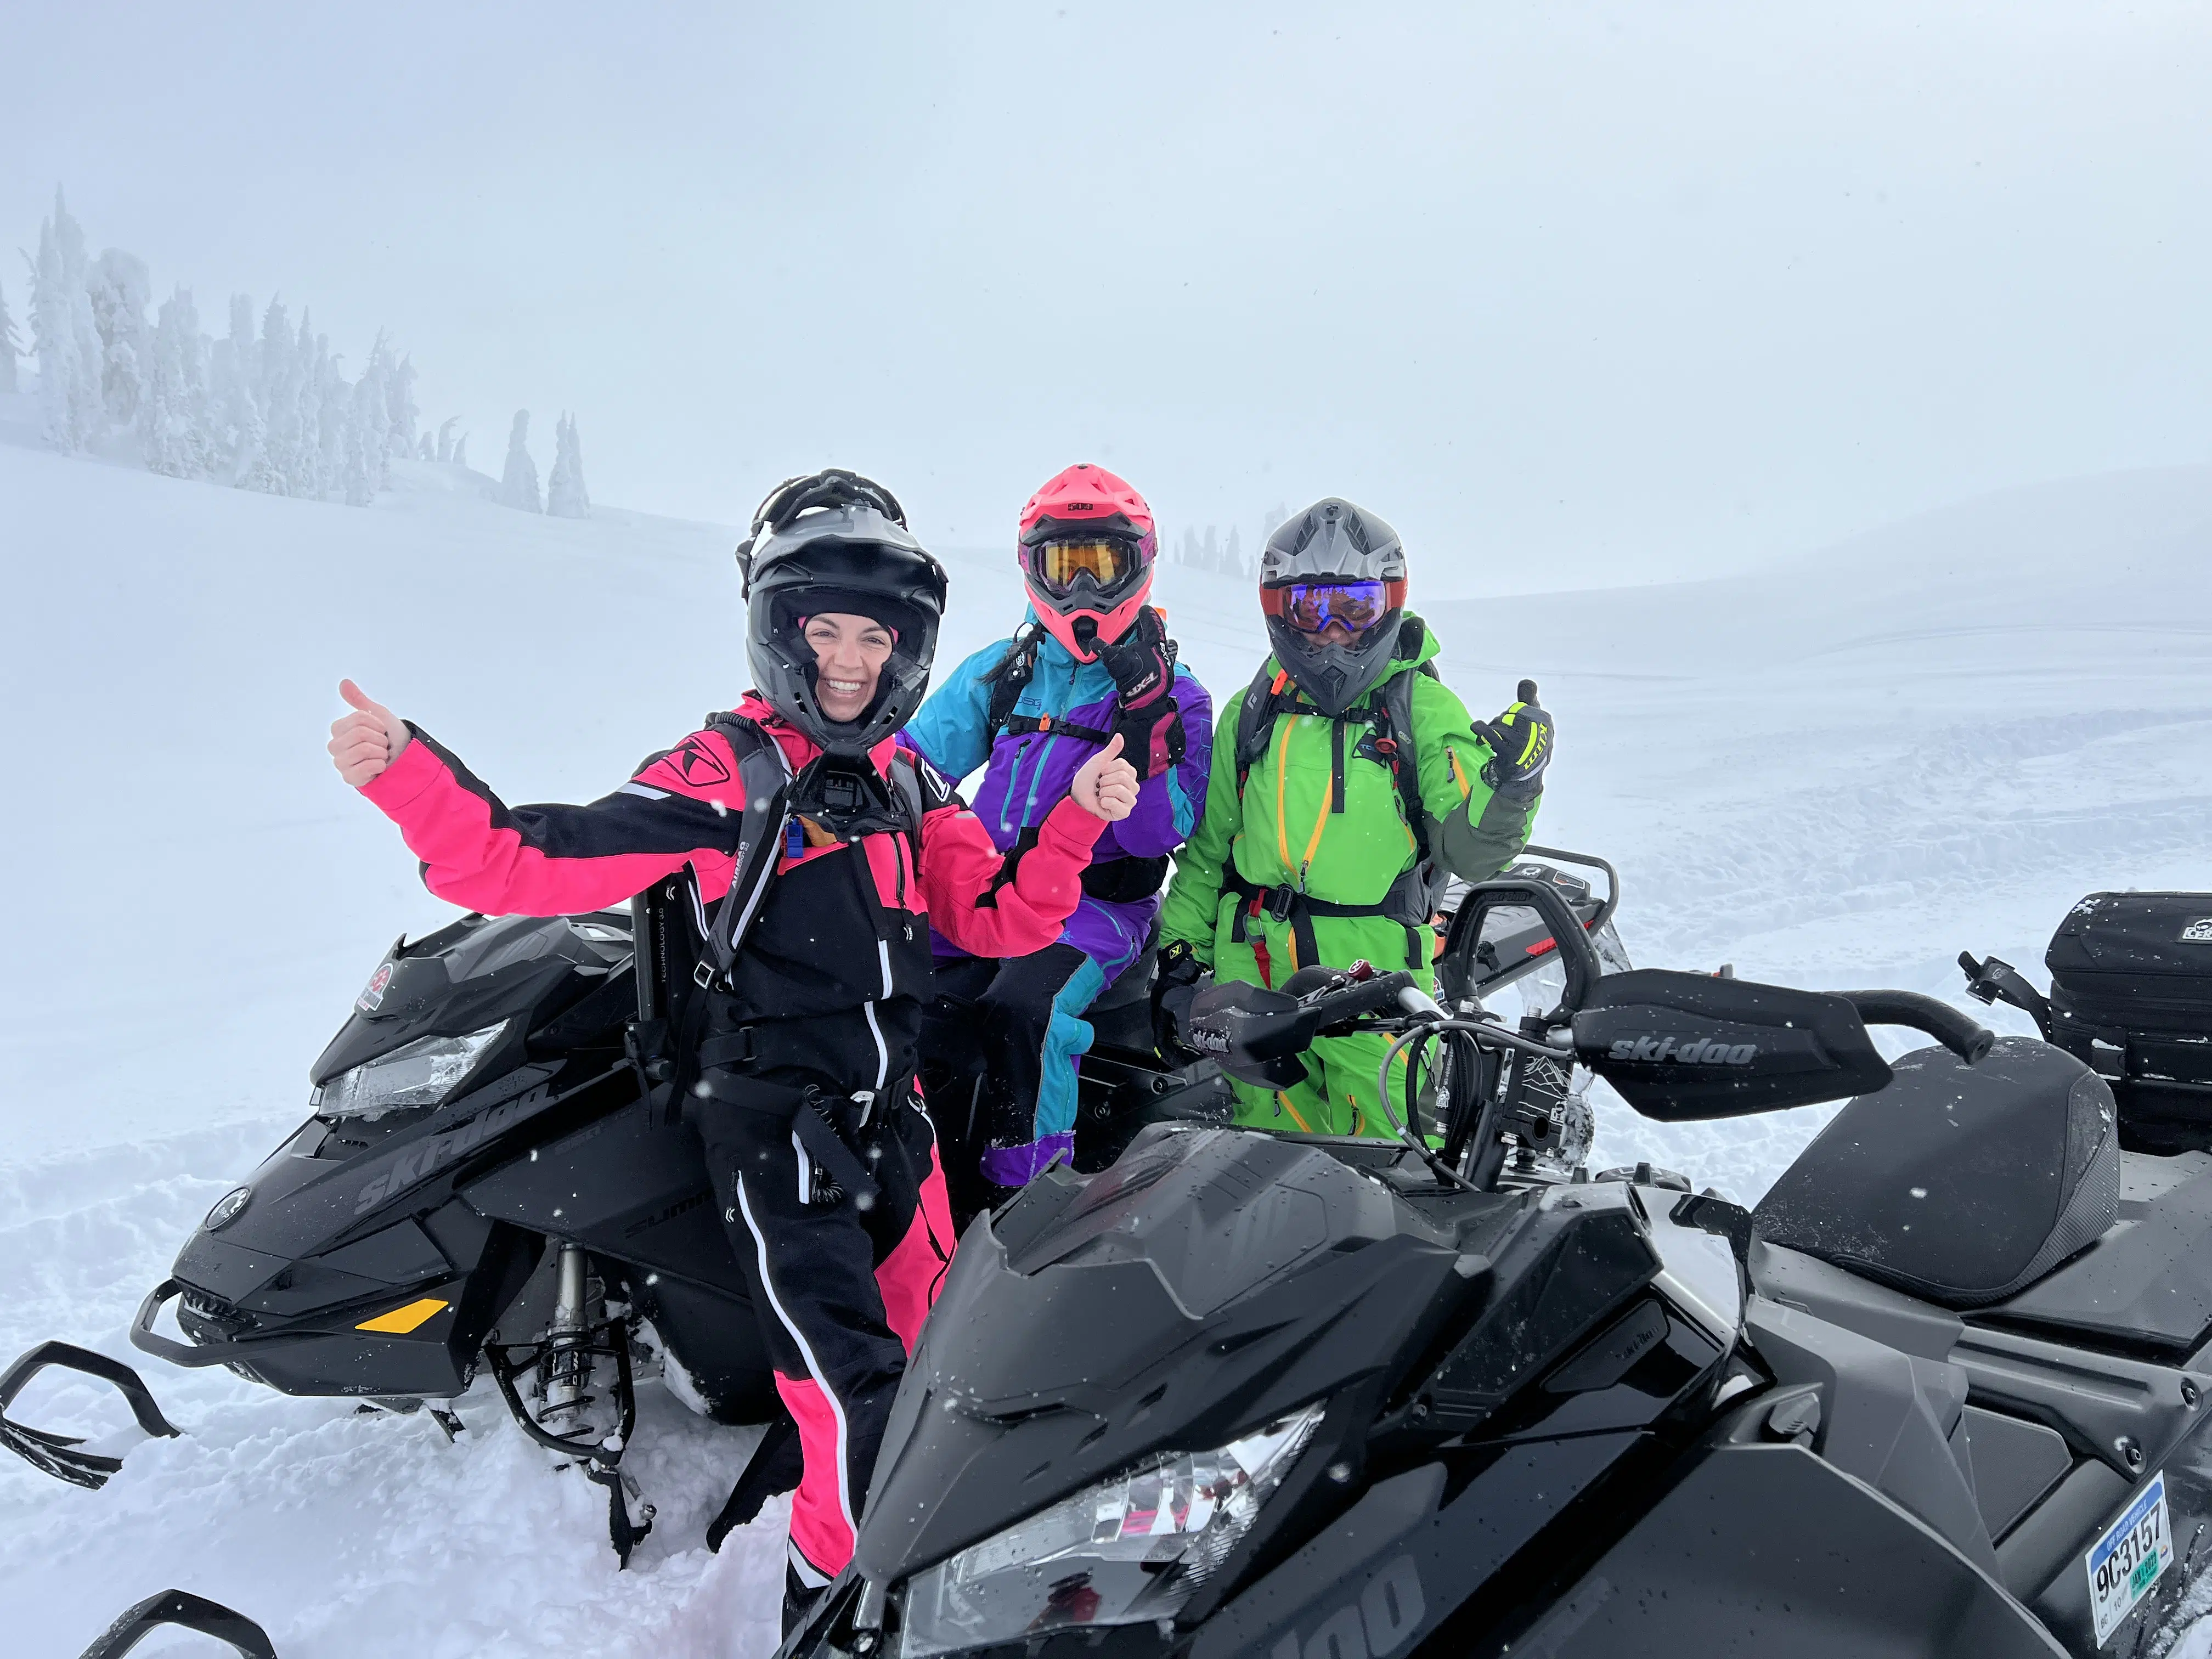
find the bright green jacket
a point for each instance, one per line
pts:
(1286, 830)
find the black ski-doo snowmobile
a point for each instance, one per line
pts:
(497, 1175)
(1942, 1393)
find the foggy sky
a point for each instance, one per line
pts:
(1569, 292)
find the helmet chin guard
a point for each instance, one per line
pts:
(1087, 503)
(1333, 539)
(835, 542)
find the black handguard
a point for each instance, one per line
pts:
(1175, 983)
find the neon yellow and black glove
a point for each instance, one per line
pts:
(1178, 981)
(1520, 742)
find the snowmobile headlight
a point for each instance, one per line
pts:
(423, 1072)
(1129, 1550)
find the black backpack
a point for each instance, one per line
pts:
(1010, 676)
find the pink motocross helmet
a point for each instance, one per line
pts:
(1087, 549)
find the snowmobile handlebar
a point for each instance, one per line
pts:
(1961, 1035)
(1560, 856)
(1332, 1012)
(1577, 956)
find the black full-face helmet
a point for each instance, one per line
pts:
(834, 541)
(1333, 562)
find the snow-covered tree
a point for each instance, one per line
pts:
(1232, 557)
(175, 425)
(120, 290)
(399, 404)
(232, 392)
(364, 441)
(565, 495)
(426, 446)
(11, 346)
(334, 415)
(518, 484)
(371, 413)
(64, 336)
(278, 390)
(267, 408)
(445, 438)
(461, 449)
(308, 476)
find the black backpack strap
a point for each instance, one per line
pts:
(765, 777)
(1397, 710)
(1011, 675)
(1255, 721)
(913, 794)
(1022, 726)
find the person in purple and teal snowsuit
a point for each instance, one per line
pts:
(1092, 662)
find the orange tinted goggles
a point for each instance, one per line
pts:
(1058, 564)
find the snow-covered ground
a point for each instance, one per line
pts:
(1838, 771)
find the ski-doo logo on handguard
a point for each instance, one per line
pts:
(2198, 932)
(1698, 1051)
(1382, 1620)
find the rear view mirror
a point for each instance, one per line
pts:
(1681, 1048)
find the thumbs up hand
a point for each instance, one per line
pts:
(362, 744)
(1105, 786)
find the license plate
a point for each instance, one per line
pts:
(2126, 1562)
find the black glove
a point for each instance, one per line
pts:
(1173, 984)
(1142, 663)
(1520, 742)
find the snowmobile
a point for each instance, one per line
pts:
(497, 1175)
(1942, 1392)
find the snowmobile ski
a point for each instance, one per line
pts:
(57, 1453)
(187, 1612)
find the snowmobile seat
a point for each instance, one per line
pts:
(1134, 984)
(1962, 1185)
(1121, 1016)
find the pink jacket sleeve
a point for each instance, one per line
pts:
(556, 859)
(995, 904)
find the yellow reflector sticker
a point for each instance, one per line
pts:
(400, 1321)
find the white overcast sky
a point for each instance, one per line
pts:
(1568, 291)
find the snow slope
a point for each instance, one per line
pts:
(1838, 771)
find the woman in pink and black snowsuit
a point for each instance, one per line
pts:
(823, 852)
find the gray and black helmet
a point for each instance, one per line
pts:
(1332, 541)
(834, 541)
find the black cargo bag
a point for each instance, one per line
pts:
(2131, 997)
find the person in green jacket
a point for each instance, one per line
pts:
(1348, 782)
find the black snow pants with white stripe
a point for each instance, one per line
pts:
(837, 1213)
